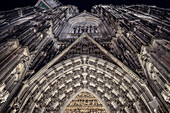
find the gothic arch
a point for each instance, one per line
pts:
(114, 88)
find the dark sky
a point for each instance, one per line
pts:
(82, 4)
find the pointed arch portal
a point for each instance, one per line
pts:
(117, 54)
(115, 89)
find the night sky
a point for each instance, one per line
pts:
(82, 4)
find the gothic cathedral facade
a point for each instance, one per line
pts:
(114, 59)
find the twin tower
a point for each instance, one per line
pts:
(114, 59)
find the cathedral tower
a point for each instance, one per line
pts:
(114, 59)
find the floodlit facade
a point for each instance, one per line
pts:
(114, 59)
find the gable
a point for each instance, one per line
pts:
(103, 50)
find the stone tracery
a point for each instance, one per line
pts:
(50, 53)
(116, 89)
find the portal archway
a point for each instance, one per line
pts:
(114, 88)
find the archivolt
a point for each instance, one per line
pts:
(115, 89)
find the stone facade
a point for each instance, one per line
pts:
(51, 53)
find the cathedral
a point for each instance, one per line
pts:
(114, 59)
